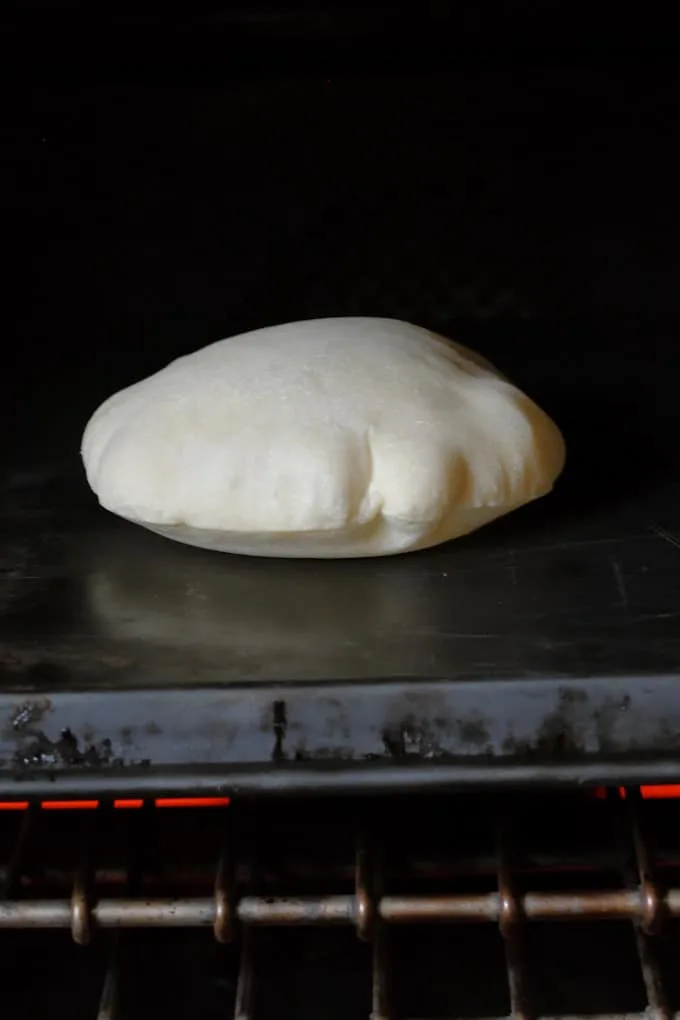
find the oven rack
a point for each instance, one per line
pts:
(643, 898)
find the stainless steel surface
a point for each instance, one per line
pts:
(91, 603)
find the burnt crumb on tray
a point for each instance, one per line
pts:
(41, 752)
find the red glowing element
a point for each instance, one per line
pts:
(92, 805)
(69, 805)
(669, 791)
(174, 802)
(660, 792)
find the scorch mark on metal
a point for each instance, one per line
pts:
(280, 726)
(42, 752)
(667, 536)
(29, 713)
(620, 584)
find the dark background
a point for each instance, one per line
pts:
(507, 173)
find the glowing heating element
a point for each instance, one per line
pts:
(658, 792)
(666, 792)
(92, 805)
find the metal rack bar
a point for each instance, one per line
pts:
(13, 870)
(651, 975)
(245, 986)
(223, 925)
(652, 915)
(509, 923)
(369, 886)
(587, 1016)
(110, 1001)
(110, 998)
(380, 997)
(199, 912)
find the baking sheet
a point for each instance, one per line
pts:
(548, 640)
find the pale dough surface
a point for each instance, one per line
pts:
(326, 438)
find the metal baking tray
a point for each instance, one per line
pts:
(544, 648)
